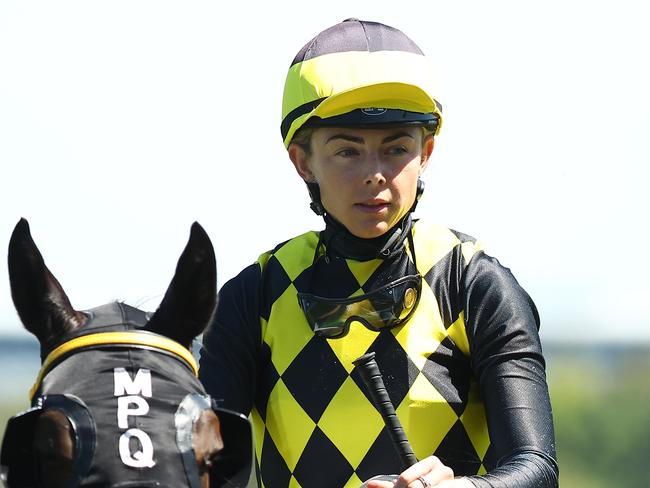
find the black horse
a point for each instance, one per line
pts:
(117, 403)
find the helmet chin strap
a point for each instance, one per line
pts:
(386, 249)
(314, 192)
(418, 194)
(338, 238)
(317, 205)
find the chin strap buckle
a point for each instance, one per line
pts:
(316, 205)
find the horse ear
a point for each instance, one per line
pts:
(191, 298)
(42, 305)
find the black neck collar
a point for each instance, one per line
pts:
(340, 241)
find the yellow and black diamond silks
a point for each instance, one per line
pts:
(315, 424)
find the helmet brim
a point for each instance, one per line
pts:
(394, 97)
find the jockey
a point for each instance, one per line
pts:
(454, 335)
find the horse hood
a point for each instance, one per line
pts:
(111, 392)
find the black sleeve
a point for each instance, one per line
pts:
(232, 343)
(506, 355)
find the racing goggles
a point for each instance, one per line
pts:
(381, 309)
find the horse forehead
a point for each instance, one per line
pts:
(115, 316)
(96, 374)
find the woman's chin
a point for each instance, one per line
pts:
(370, 232)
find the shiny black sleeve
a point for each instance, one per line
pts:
(232, 343)
(506, 355)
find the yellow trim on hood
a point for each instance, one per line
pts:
(130, 338)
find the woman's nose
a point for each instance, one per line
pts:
(375, 173)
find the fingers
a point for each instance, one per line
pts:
(380, 484)
(380, 481)
(428, 472)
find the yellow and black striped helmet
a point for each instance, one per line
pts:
(359, 73)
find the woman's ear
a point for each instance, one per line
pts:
(427, 150)
(300, 160)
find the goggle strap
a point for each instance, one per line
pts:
(409, 237)
(360, 298)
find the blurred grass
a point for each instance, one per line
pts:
(601, 409)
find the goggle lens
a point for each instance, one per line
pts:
(383, 308)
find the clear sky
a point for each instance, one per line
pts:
(123, 122)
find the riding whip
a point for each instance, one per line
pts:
(372, 378)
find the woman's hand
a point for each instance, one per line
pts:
(428, 472)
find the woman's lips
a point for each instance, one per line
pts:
(378, 206)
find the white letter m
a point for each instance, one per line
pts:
(140, 385)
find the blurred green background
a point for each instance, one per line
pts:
(601, 406)
(600, 396)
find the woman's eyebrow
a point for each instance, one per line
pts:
(345, 137)
(359, 140)
(396, 136)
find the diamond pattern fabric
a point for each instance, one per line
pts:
(342, 417)
(314, 377)
(315, 424)
(321, 460)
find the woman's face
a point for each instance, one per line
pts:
(367, 177)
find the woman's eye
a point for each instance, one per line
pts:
(398, 150)
(346, 153)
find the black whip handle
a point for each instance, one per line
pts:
(375, 384)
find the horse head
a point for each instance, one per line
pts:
(117, 402)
